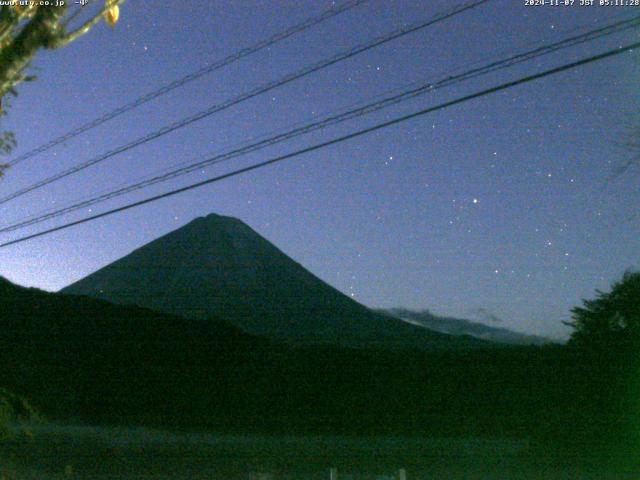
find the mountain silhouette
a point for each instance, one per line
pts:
(85, 360)
(461, 326)
(219, 266)
(86, 357)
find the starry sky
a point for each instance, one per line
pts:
(504, 207)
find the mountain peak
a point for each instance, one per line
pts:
(216, 217)
(218, 266)
(214, 222)
(213, 219)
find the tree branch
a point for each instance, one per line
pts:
(39, 32)
(63, 40)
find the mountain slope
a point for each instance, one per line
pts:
(459, 326)
(88, 361)
(97, 360)
(219, 266)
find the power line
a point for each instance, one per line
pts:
(420, 89)
(305, 25)
(266, 135)
(248, 95)
(358, 133)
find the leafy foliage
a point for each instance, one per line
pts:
(7, 143)
(112, 14)
(611, 320)
(25, 29)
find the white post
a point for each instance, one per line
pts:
(333, 474)
(402, 474)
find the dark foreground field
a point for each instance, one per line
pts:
(505, 412)
(64, 452)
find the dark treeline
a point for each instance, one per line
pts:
(83, 360)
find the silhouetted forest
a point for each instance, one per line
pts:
(89, 361)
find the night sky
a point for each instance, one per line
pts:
(502, 206)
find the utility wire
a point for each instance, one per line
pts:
(248, 95)
(332, 120)
(306, 24)
(356, 134)
(188, 167)
(270, 133)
